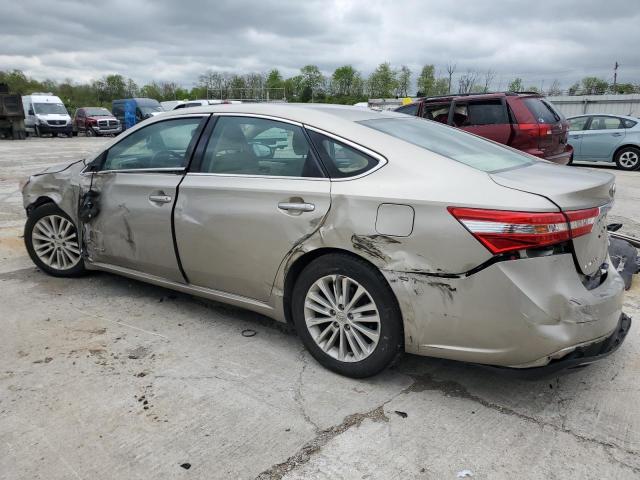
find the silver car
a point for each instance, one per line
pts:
(606, 138)
(371, 232)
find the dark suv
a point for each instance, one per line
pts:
(525, 121)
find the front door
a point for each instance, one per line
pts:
(602, 137)
(255, 192)
(138, 182)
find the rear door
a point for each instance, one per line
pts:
(601, 138)
(138, 182)
(487, 118)
(243, 206)
(577, 126)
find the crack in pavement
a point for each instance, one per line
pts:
(421, 383)
(451, 388)
(298, 397)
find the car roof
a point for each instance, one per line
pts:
(317, 114)
(628, 117)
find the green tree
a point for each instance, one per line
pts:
(426, 81)
(383, 82)
(312, 77)
(594, 86)
(404, 81)
(515, 85)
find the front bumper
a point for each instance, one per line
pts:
(517, 313)
(106, 131)
(46, 128)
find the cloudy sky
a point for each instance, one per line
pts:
(170, 40)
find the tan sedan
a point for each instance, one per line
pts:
(371, 232)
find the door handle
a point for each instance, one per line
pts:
(617, 134)
(575, 136)
(297, 206)
(160, 198)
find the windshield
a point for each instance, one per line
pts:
(450, 142)
(49, 108)
(97, 112)
(146, 110)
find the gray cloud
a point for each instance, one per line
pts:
(169, 40)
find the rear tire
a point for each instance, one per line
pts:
(347, 316)
(628, 158)
(52, 242)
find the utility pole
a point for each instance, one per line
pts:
(615, 76)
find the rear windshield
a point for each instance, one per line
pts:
(542, 110)
(452, 143)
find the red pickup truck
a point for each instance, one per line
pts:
(526, 121)
(95, 121)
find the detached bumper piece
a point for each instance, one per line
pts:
(581, 356)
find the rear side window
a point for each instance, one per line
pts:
(455, 144)
(340, 159)
(542, 111)
(258, 146)
(604, 123)
(626, 123)
(411, 109)
(487, 112)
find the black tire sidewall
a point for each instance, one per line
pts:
(619, 154)
(391, 331)
(37, 214)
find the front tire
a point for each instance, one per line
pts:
(52, 242)
(89, 132)
(628, 158)
(347, 316)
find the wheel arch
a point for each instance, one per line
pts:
(301, 262)
(626, 145)
(42, 200)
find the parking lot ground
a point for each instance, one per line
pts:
(106, 378)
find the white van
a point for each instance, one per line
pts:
(45, 113)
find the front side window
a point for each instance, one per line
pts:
(160, 145)
(449, 142)
(604, 123)
(438, 112)
(340, 159)
(577, 123)
(258, 146)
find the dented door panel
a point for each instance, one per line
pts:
(231, 234)
(132, 230)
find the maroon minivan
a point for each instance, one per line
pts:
(526, 121)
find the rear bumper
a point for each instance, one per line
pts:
(582, 355)
(518, 313)
(562, 158)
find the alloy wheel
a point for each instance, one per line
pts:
(629, 159)
(342, 318)
(55, 242)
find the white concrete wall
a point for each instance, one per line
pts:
(614, 104)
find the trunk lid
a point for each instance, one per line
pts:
(570, 189)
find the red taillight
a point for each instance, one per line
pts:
(504, 231)
(536, 129)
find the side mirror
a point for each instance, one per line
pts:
(262, 151)
(96, 163)
(31, 112)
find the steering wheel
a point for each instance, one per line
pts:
(167, 158)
